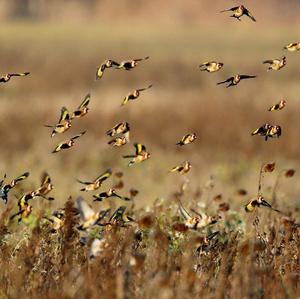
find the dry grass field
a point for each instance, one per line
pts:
(251, 255)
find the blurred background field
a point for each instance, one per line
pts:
(62, 42)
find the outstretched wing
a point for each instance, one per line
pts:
(230, 9)
(247, 13)
(184, 212)
(268, 61)
(59, 147)
(100, 70)
(140, 59)
(228, 80)
(20, 74)
(85, 211)
(64, 114)
(85, 102)
(79, 135)
(247, 76)
(19, 179)
(139, 148)
(145, 88)
(104, 175)
(45, 179)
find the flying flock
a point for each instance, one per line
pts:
(120, 136)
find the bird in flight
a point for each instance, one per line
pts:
(120, 128)
(45, 187)
(184, 168)
(4, 189)
(83, 108)
(268, 131)
(96, 183)
(197, 222)
(187, 139)
(63, 124)
(211, 66)
(134, 95)
(130, 64)
(8, 76)
(141, 154)
(105, 65)
(118, 141)
(67, 143)
(239, 11)
(107, 194)
(292, 47)
(278, 106)
(257, 202)
(88, 216)
(235, 80)
(276, 64)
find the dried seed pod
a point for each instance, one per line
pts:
(269, 167)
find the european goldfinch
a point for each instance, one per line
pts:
(276, 64)
(278, 106)
(257, 202)
(141, 154)
(67, 143)
(187, 139)
(130, 64)
(239, 11)
(104, 195)
(292, 47)
(7, 77)
(134, 95)
(105, 65)
(211, 66)
(183, 168)
(96, 184)
(235, 80)
(63, 124)
(7, 187)
(83, 108)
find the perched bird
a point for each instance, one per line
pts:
(83, 108)
(278, 106)
(134, 95)
(67, 143)
(105, 65)
(276, 64)
(211, 66)
(103, 195)
(257, 202)
(4, 189)
(63, 124)
(120, 128)
(7, 77)
(88, 216)
(239, 11)
(235, 80)
(183, 168)
(141, 154)
(130, 64)
(96, 184)
(198, 222)
(187, 139)
(118, 141)
(46, 186)
(292, 47)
